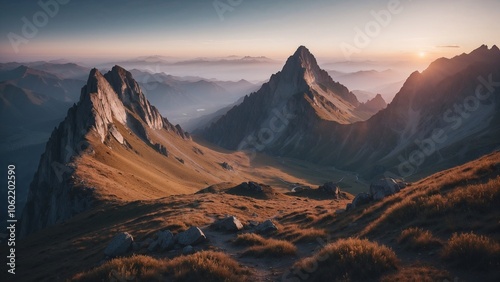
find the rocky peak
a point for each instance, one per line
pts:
(131, 95)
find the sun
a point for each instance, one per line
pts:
(422, 54)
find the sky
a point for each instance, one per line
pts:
(337, 29)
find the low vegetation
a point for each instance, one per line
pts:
(203, 266)
(471, 251)
(418, 239)
(349, 260)
(262, 247)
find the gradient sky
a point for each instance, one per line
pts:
(110, 29)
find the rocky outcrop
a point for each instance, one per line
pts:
(331, 188)
(192, 236)
(266, 227)
(119, 245)
(383, 188)
(230, 224)
(106, 101)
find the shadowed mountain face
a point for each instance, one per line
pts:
(445, 115)
(301, 89)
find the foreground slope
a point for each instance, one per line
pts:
(414, 234)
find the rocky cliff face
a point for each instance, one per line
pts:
(300, 89)
(105, 101)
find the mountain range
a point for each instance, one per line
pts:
(301, 113)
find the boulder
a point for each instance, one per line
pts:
(266, 227)
(361, 199)
(230, 223)
(383, 188)
(330, 188)
(192, 236)
(165, 240)
(227, 166)
(119, 245)
(255, 187)
(187, 250)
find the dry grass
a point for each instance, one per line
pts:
(419, 273)
(418, 239)
(262, 247)
(349, 259)
(207, 266)
(298, 234)
(471, 251)
(203, 266)
(431, 203)
(125, 269)
(249, 239)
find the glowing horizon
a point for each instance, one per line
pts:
(417, 31)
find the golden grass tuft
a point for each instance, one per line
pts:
(249, 239)
(349, 260)
(420, 273)
(262, 247)
(418, 239)
(471, 251)
(133, 268)
(202, 266)
(207, 266)
(431, 203)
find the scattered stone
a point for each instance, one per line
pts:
(331, 188)
(361, 199)
(227, 166)
(119, 245)
(198, 151)
(146, 243)
(230, 223)
(383, 188)
(266, 227)
(180, 160)
(165, 240)
(192, 236)
(161, 149)
(255, 187)
(187, 250)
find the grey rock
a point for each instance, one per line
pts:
(331, 188)
(230, 223)
(192, 236)
(119, 245)
(187, 250)
(266, 227)
(361, 199)
(383, 188)
(165, 240)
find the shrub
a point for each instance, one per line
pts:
(471, 251)
(418, 239)
(202, 266)
(272, 248)
(249, 239)
(349, 259)
(207, 266)
(138, 267)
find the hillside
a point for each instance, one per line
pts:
(414, 229)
